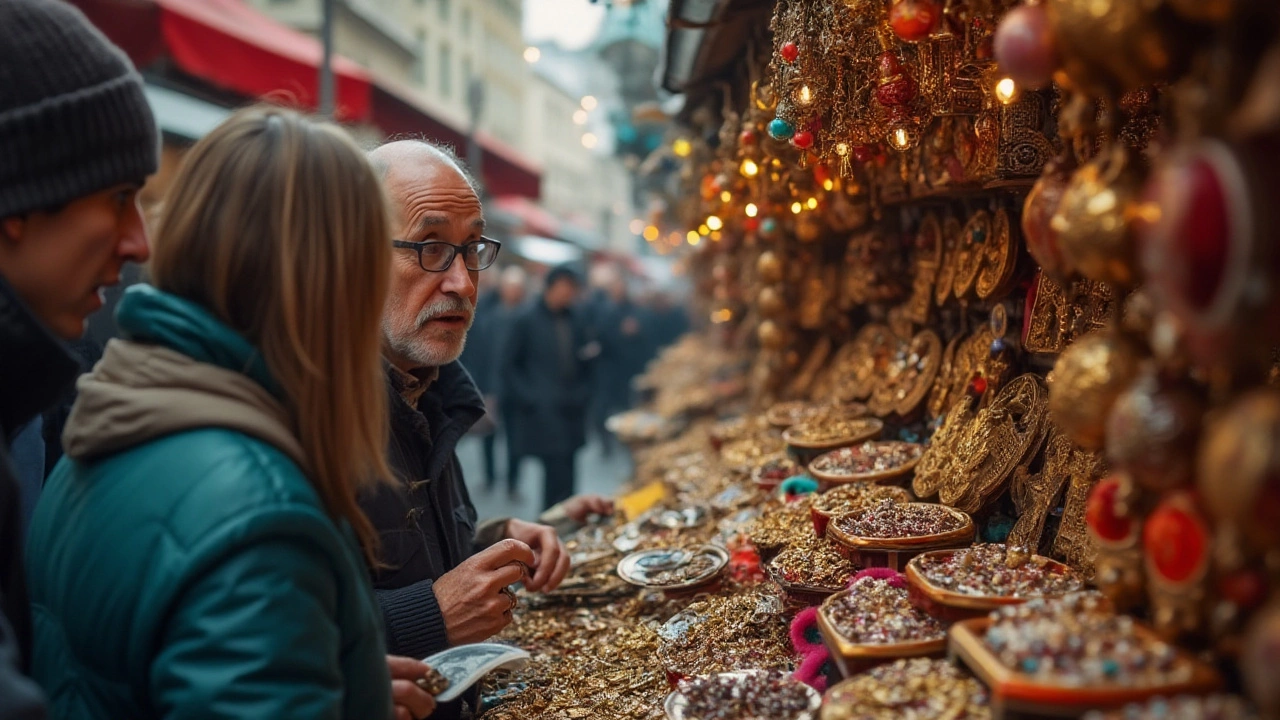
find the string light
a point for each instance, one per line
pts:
(726, 196)
(1006, 91)
(704, 230)
(589, 103)
(796, 207)
(749, 168)
(532, 54)
(804, 95)
(714, 222)
(681, 147)
(579, 117)
(828, 184)
(651, 233)
(636, 226)
(811, 203)
(716, 235)
(589, 140)
(693, 237)
(752, 210)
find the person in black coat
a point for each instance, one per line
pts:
(546, 372)
(624, 350)
(78, 140)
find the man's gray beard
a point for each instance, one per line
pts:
(415, 348)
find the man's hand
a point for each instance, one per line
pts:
(411, 701)
(551, 562)
(471, 596)
(579, 507)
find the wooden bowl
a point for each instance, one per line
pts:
(675, 705)
(821, 518)
(797, 596)
(853, 658)
(950, 606)
(896, 475)
(1012, 691)
(805, 451)
(895, 553)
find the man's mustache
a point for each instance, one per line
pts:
(448, 306)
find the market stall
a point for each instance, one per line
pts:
(984, 422)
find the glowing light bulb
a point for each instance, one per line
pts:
(796, 207)
(589, 140)
(726, 196)
(804, 95)
(704, 230)
(811, 203)
(532, 54)
(1006, 91)
(902, 139)
(589, 103)
(636, 226)
(681, 147)
(749, 168)
(693, 237)
(714, 222)
(716, 235)
(828, 184)
(752, 210)
(651, 233)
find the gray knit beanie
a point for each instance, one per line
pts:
(74, 119)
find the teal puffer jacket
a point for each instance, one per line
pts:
(181, 565)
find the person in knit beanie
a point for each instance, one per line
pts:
(77, 140)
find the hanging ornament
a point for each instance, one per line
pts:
(1119, 45)
(1239, 467)
(747, 138)
(1153, 431)
(769, 227)
(1093, 220)
(1115, 531)
(770, 302)
(1037, 214)
(771, 336)
(780, 129)
(802, 139)
(914, 20)
(1176, 540)
(844, 152)
(789, 52)
(895, 87)
(1025, 48)
(1086, 381)
(1107, 516)
(769, 266)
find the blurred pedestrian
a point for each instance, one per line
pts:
(667, 321)
(623, 352)
(77, 140)
(512, 289)
(441, 577)
(547, 372)
(199, 552)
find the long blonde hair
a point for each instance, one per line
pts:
(278, 225)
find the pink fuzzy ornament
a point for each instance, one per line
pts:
(813, 653)
(893, 577)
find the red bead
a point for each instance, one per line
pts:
(1194, 227)
(751, 224)
(1102, 516)
(789, 52)
(896, 86)
(748, 137)
(863, 153)
(1176, 540)
(978, 386)
(914, 20)
(803, 139)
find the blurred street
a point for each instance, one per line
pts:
(596, 474)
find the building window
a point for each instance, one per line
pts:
(446, 71)
(420, 67)
(444, 10)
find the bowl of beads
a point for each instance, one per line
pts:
(675, 571)
(889, 534)
(961, 584)
(787, 413)
(881, 461)
(873, 622)
(743, 695)
(770, 472)
(1064, 656)
(811, 438)
(908, 688)
(849, 497)
(809, 571)
(779, 524)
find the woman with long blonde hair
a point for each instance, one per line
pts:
(200, 552)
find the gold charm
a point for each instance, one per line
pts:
(951, 230)
(999, 259)
(1060, 316)
(970, 250)
(928, 264)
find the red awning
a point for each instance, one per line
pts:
(506, 171)
(232, 45)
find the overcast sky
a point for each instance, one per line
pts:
(572, 23)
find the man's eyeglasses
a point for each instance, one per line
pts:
(437, 256)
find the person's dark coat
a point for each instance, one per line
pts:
(477, 353)
(426, 521)
(549, 384)
(622, 354)
(35, 368)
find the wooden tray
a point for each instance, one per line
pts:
(884, 477)
(798, 595)
(1015, 692)
(895, 553)
(805, 452)
(949, 606)
(852, 658)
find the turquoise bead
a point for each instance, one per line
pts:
(780, 129)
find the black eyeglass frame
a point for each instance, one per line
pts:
(422, 245)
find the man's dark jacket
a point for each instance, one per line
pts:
(548, 395)
(425, 520)
(34, 369)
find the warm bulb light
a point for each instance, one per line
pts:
(681, 147)
(1006, 91)
(752, 210)
(902, 139)
(749, 168)
(828, 184)
(589, 140)
(651, 233)
(796, 207)
(532, 54)
(636, 226)
(714, 222)
(589, 103)
(693, 237)
(704, 230)
(811, 203)
(579, 117)
(804, 96)
(726, 196)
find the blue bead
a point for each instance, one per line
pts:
(1030, 665)
(1110, 668)
(998, 346)
(780, 129)
(769, 225)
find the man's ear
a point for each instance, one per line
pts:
(13, 228)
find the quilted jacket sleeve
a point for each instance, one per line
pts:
(254, 637)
